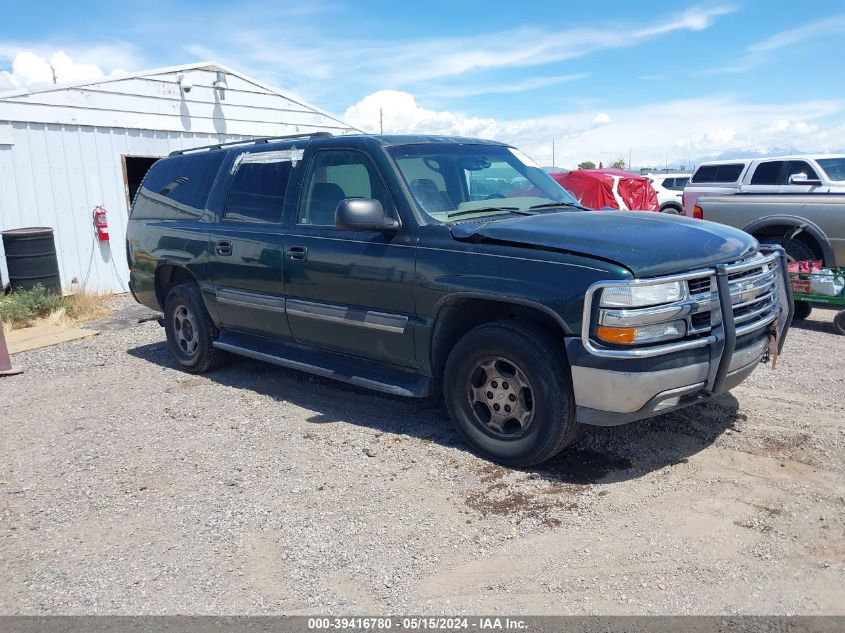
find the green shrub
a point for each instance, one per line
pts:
(22, 306)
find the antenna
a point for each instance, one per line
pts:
(381, 120)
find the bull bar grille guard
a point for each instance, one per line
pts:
(724, 331)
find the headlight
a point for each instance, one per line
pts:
(642, 333)
(638, 296)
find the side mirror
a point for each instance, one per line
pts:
(802, 179)
(363, 214)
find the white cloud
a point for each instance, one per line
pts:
(32, 70)
(522, 85)
(693, 19)
(303, 61)
(678, 128)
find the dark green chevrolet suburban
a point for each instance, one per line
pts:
(414, 265)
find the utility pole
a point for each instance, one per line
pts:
(553, 154)
(381, 120)
(629, 159)
(53, 70)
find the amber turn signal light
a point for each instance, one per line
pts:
(697, 212)
(616, 334)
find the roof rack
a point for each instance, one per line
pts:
(257, 141)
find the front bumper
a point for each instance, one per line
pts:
(612, 389)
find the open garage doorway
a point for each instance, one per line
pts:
(134, 170)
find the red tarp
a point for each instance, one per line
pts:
(594, 189)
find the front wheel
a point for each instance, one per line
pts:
(509, 392)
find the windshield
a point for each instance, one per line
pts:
(833, 167)
(456, 180)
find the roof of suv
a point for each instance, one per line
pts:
(386, 140)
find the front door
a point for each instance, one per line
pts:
(247, 247)
(350, 291)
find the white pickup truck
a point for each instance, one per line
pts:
(819, 173)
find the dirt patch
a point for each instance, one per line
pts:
(521, 505)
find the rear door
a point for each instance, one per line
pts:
(349, 291)
(247, 243)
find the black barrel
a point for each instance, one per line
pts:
(31, 258)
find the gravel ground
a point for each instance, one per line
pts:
(130, 487)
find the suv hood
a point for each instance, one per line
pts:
(647, 243)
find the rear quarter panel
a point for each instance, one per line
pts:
(827, 211)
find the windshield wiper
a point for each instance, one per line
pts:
(550, 205)
(457, 214)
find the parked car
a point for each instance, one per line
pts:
(822, 173)
(609, 189)
(810, 227)
(420, 265)
(669, 189)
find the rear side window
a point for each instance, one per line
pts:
(186, 180)
(718, 173)
(257, 192)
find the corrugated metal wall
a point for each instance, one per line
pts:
(54, 175)
(61, 149)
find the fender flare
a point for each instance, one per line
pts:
(526, 303)
(446, 301)
(803, 225)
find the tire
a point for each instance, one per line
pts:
(795, 251)
(671, 210)
(540, 393)
(190, 331)
(839, 322)
(802, 310)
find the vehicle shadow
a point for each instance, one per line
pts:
(820, 320)
(598, 454)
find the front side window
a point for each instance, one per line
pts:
(833, 167)
(334, 176)
(449, 180)
(800, 167)
(257, 193)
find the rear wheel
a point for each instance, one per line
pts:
(671, 210)
(796, 251)
(190, 331)
(802, 310)
(839, 322)
(508, 390)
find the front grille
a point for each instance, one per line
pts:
(697, 286)
(753, 297)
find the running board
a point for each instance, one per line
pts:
(360, 372)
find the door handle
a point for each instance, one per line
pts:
(297, 253)
(223, 248)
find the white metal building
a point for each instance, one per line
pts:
(65, 149)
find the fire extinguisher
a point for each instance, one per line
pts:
(101, 224)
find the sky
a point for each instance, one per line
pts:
(659, 81)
